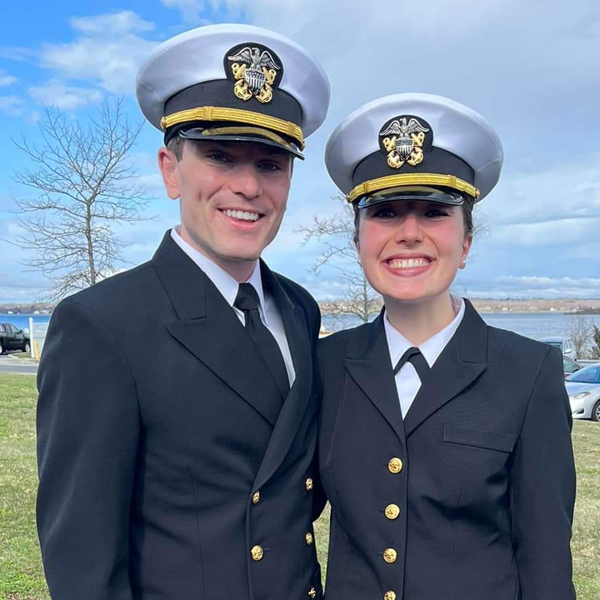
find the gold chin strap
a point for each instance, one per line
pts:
(382, 183)
(216, 113)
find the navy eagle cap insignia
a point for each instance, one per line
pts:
(254, 72)
(404, 141)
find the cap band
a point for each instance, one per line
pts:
(215, 113)
(376, 185)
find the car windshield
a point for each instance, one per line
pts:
(589, 374)
(555, 344)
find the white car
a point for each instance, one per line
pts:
(583, 388)
(564, 344)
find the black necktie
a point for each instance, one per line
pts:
(247, 301)
(414, 356)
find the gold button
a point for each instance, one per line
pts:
(312, 592)
(309, 539)
(389, 595)
(257, 553)
(392, 511)
(256, 498)
(390, 555)
(309, 484)
(395, 465)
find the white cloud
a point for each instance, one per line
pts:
(590, 283)
(111, 24)
(107, 52)
(11, 105)
(56, 93)
(190, 9)
(17, 53)
(6, 79)
(568, 191)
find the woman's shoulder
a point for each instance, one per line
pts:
(511, 345)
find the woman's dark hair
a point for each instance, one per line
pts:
(467, 210)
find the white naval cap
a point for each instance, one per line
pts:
(237, 82)
(414, 146)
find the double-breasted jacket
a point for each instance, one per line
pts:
(166, 471)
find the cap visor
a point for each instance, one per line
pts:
(439, 196)
(196, 134)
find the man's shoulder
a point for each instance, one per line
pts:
(296, 291)
(118, 293)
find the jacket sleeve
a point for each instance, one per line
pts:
(543, 489)
(88, 431)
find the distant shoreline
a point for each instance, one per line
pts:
(573, 306)
(568, 306)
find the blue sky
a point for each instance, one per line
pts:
(529, 67)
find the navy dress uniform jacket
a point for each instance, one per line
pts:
(165, 469)
(471, 496)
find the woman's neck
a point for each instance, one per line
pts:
(418, 321)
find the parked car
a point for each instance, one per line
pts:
(570, 366)
(583, 388)
(564, 344)
(12, 338)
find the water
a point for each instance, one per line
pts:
(22, 321)
(530, 324)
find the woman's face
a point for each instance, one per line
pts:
(410, 250)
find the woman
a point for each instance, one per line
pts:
(445, 446)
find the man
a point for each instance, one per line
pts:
(176, 419)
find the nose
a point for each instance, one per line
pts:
(409, 230)
(245, 181)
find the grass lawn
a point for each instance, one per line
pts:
(19, 354)
(21, 576)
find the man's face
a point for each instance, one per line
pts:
(233, 196)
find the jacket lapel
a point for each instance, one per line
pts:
(461, 362)
(209, 328)
(369, 365)
(297, 401)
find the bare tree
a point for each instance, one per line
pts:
(86, 185)
(595, 351)
(339, 254)
(581, 333)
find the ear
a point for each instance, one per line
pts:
(169, 168)
(466, 247)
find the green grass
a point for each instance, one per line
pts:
(19, 354)
(21, 575)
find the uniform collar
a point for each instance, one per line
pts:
(223, 281)
(431, 348)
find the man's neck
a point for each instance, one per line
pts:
(240, 270)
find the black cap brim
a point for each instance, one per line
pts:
(423, 194)
(196, 133)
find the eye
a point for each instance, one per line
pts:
(384, 212)
(270, 165)
(220, 157)
(433, 213)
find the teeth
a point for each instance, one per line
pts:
(408, 263)
(241, 214)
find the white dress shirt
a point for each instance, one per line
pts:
(407, 379)
(228, 286)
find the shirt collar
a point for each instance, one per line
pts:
(431, 348)
(222, 280)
